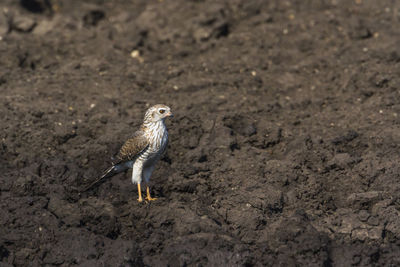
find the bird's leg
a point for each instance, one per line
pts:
(148, 197)
(139, 193)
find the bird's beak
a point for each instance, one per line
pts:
(169, 114)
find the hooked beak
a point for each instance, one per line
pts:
(169, 114)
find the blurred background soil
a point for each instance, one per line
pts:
(284, 149)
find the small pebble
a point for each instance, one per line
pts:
(136, 54)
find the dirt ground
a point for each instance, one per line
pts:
(284, 149)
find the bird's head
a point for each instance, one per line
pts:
(157, 113)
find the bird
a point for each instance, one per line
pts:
(143, 150)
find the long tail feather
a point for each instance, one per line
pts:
(113, 170)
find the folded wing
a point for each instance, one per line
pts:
(132, 148)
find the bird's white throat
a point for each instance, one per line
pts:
(157, 132)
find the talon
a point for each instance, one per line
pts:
(148, 197)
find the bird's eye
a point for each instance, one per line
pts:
(162, 111)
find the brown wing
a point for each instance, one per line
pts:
(132, 147)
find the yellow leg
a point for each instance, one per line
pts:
(139, 192)
(148, 197)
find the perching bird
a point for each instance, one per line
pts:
(143, 150)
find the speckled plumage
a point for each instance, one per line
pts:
(143, 150)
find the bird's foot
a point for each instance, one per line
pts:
(140, 199)
(150, 198)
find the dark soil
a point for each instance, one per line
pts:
(284, 149)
